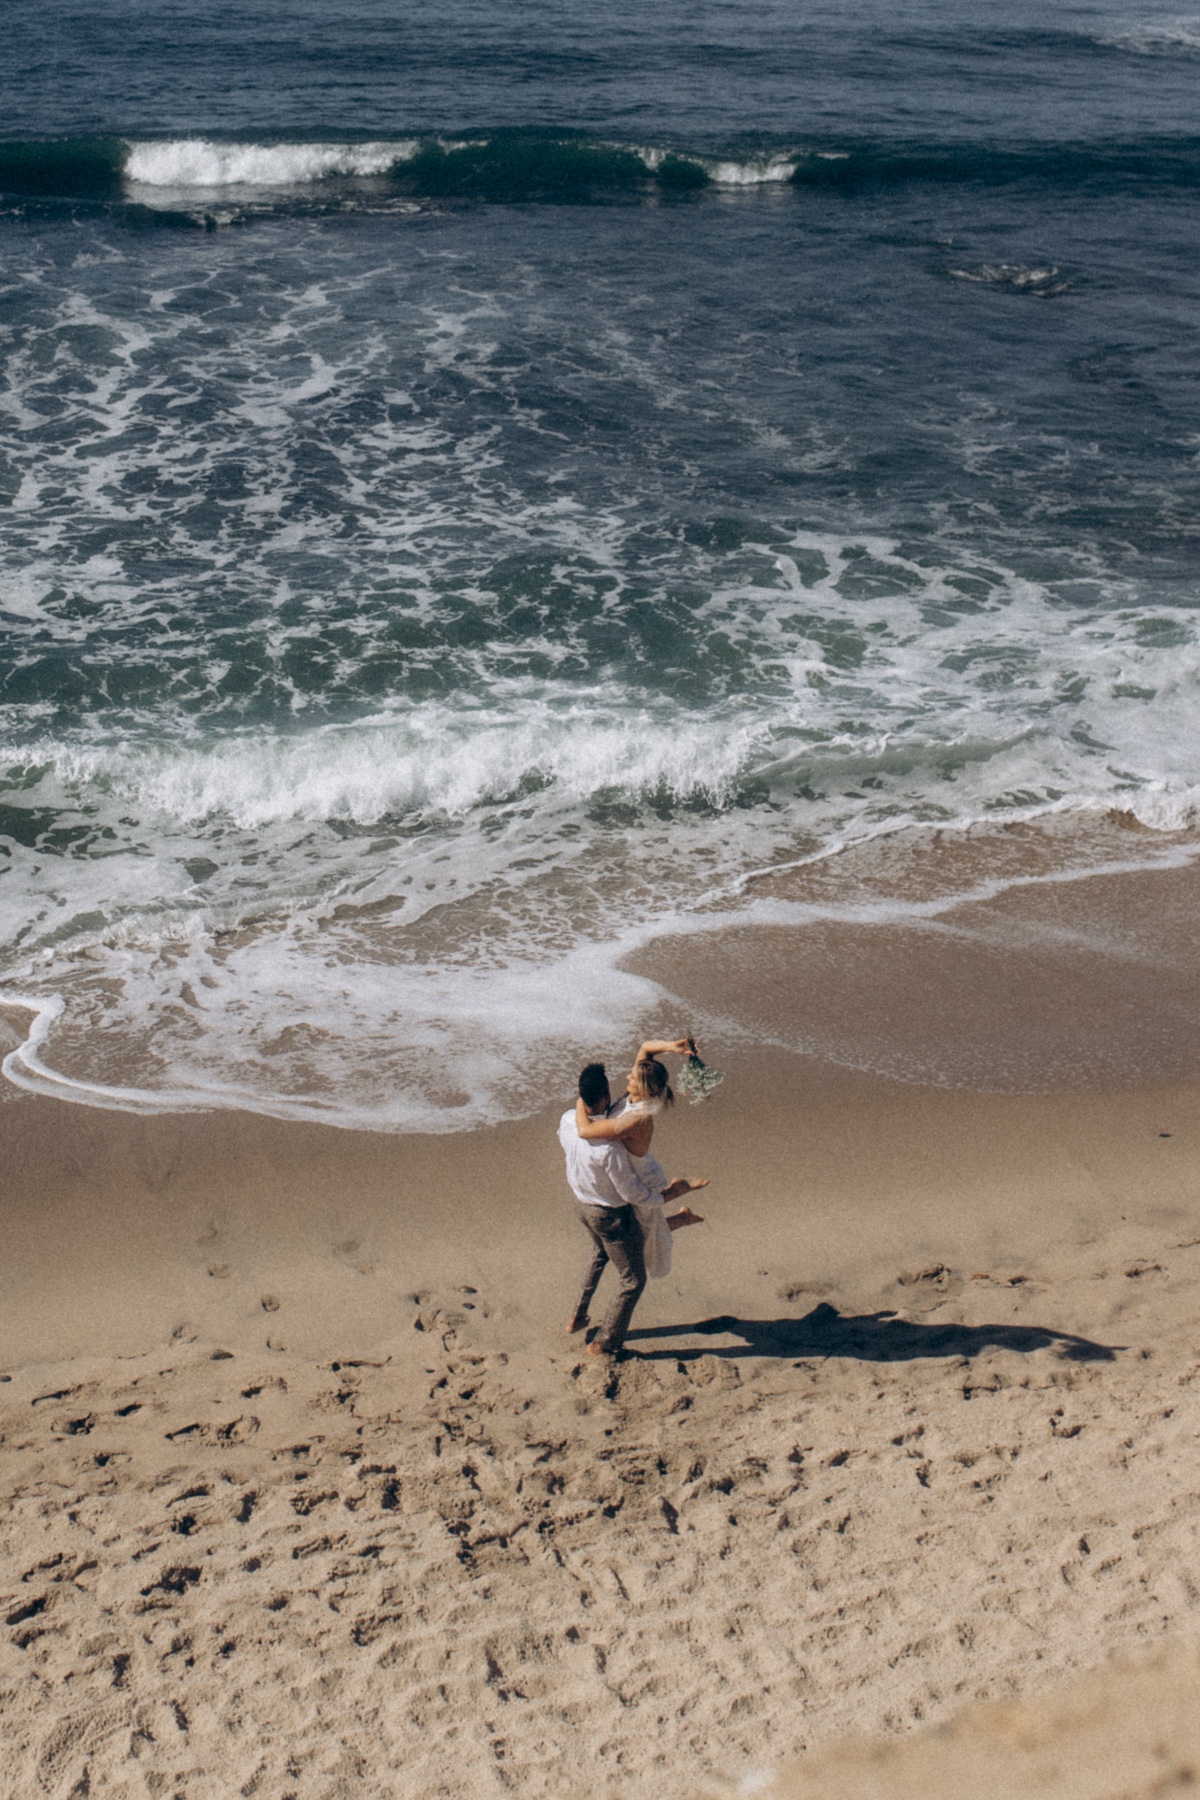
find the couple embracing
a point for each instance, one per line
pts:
(620, 1188)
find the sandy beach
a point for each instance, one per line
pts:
(528, 529)
(306, 1493)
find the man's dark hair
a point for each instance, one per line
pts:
(593, 1085)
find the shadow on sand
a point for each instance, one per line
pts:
(871, 1337)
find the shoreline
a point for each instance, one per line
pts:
(1074, 893)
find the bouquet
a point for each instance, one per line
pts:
(695, 1079)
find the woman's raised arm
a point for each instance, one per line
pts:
(605, 1131)
(656, 1047)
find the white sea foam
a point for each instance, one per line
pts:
(291, 1023)
(750, 172)
(1043, 280)
(465, 1035)
(206, 163)
(284, 1022)
(434, 758)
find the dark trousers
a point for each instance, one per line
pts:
(617, 1239)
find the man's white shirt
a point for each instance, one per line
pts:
(600, 1174)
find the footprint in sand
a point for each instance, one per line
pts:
(926, 1289)
(347, 1250)
(447, 1318)
(270, 1302)
(803, 1290)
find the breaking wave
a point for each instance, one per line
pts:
(523, 165)
(204, 163)
(435, 760)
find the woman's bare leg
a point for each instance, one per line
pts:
(684, 1184)
(685, 1216)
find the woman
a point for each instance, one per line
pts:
(631, 1123)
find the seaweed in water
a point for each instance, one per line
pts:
(695, 1079)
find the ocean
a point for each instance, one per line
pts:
(481, 485)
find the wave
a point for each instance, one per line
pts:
(754, 171)
(438, 760)
(533, 165)
(502, 165)
(1018, 278)
(1158, 37)
(395, 924)
(204, 163)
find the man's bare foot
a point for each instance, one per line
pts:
(595, 1349)
(577, 1325)
(685, 1216)
(694, 1182)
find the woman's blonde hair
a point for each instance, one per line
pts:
(650, 1077)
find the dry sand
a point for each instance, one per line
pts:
(1128, 1731)
(306, 1494)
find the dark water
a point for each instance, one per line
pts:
(944, 70)
(478, 484)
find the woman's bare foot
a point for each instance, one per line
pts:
(574, 1325)
(684, 1184)
(685, 1216)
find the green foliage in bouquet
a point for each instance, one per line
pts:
(695, 1079)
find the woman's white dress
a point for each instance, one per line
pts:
(651, 1214)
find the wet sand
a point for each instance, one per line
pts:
(305, 1491)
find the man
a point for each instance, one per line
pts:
(605, 1187)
